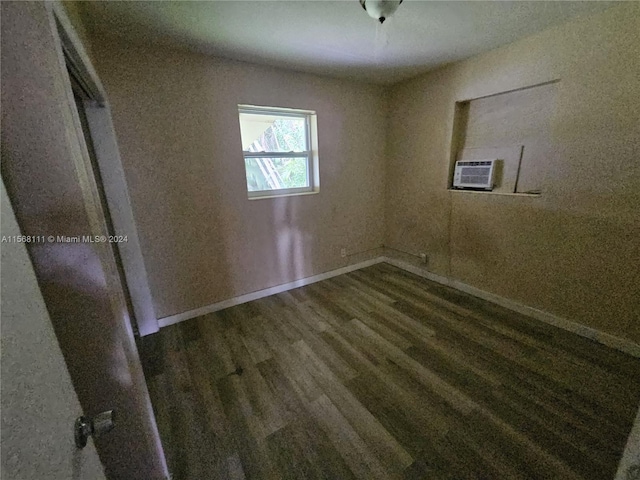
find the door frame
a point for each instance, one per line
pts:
(73, 56)
(50, 179)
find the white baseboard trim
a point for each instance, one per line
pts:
(248, 297)
(609, 340)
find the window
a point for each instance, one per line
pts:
(280, 151)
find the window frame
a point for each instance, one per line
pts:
(310, 154)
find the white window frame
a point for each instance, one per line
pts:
(311, 154)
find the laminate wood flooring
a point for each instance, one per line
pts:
(381, 374)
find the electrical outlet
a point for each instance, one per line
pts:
(343, 252)
(424, 258)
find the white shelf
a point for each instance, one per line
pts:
(496, 193)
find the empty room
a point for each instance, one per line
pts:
(357, 239)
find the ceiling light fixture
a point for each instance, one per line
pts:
(380, 9)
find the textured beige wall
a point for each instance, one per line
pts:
(203, 241)
(574, 251)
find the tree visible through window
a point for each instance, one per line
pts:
(277, 150)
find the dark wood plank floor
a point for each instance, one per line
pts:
(380, 374)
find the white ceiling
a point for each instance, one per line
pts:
(334, 38)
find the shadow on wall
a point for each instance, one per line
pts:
(286, 248)
(294, 247)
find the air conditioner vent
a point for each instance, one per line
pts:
(474, 174)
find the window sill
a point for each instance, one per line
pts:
(298, 194)
(496, 193)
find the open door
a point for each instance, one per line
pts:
(38, 400)
(52, 187)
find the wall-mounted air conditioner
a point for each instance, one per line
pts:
(474, 174)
